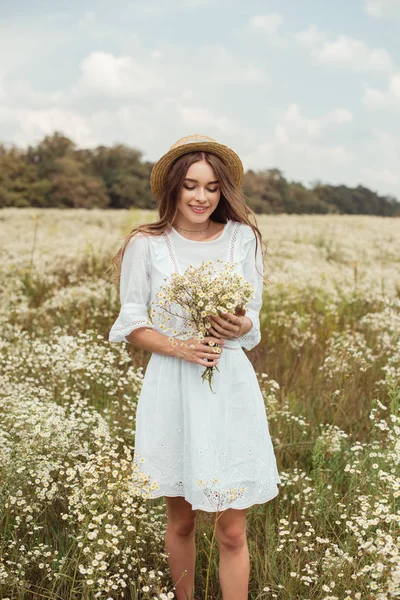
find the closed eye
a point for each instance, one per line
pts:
(192, 188)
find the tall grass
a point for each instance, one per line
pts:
(76, 519)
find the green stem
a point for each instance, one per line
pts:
(210, 554)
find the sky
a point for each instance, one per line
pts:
(309, 87)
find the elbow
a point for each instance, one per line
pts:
(127, 334)
(135, 336)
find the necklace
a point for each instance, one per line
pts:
(196, 231)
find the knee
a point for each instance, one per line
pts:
(232, 537)
(182, 527)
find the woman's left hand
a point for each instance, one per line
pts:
(226, 326)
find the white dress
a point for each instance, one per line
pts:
(214, 449)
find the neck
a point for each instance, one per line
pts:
(190, 226)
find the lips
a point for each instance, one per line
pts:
(198, 209)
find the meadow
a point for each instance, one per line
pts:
(76, 520)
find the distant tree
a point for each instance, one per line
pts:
(124, 174)
(51, 148)
(266, 190)
(56, 173)
(302, 200)
(71, 187)
(359, 200)
(17, 179)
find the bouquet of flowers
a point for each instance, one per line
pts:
(211, 289)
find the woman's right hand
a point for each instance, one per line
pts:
(194, 351)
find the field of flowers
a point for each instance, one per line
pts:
(75, 522)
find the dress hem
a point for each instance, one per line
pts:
(199, 507)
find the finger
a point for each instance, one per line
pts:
(220, 325)
(226, 325)
(219, 320)
(208, 357)
(205, 363)
(231, 317)
(214, 331)
(223, 331)
(206, 351)
(214, 349)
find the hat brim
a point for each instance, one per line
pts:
(226, 154)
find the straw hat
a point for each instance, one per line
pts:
(192, 143)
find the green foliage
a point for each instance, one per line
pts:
(55, 173)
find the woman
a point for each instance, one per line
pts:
(194, 443)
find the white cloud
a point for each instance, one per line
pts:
(269, 23)
(24, 95)
(298, 136)
(187, 94)
(42, 122)
(196, 116)
(135, 97)
(121, 76)
(381, 178)
(167, 69)
(382, 8)
(344, 52)
(139, 124)
(379, 162)
(375, 99)
(215, 63)
(310, 37)
(300, 147)
(32, 124)
(351, 53)
(341, 115)
(268, 27)
(293, 125)
(298, 158)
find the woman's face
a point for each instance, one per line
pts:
(199, 195)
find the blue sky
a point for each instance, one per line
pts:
(311, 88)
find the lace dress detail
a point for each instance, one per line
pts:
(194, 443)
(171, 252)
(233, 241)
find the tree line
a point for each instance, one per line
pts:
(56, 173)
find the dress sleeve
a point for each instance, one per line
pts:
(135, 289)
(253, 272)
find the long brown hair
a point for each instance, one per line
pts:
(231, 206)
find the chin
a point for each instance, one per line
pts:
(192, 216)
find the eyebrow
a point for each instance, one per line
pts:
(195, 180)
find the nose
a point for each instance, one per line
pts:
(200, 197)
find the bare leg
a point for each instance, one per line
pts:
(180, 544)
(234, 560)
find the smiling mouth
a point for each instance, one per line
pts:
(198, 208)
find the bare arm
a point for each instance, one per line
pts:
(190, 350)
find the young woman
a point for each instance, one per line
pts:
(197, 444)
